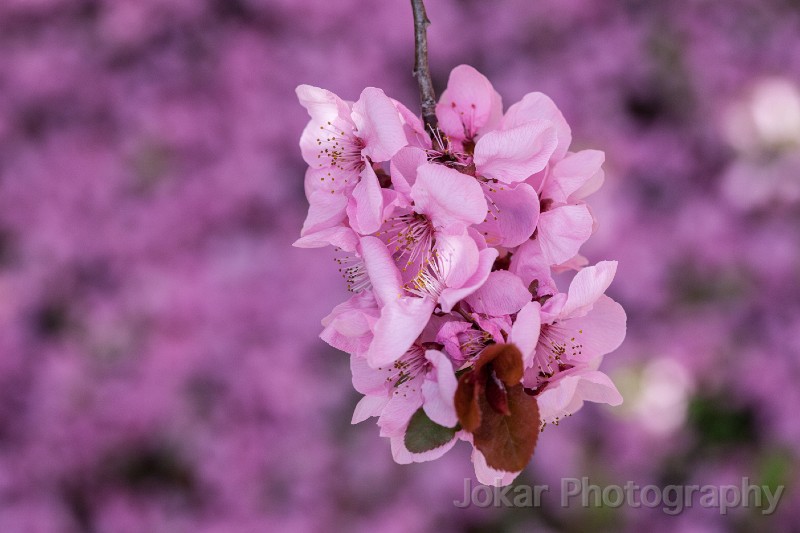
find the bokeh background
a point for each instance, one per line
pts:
(160, 369)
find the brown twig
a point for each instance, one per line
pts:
(422, 71)
(469, 318)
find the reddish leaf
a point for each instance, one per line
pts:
(466, 400)
(496, 395)
(507, 442)
(506, 360)
(508, 365)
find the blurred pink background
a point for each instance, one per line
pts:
(160, 369)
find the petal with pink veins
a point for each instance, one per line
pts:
(513, 214)
(525, 331)
(381, 269)
(538, 106)
(469, 105)
(369, 406)
(563, 230)
(572, 173)
(597, 333)
(587, 286)
(503, 293)
(322, 105)
(557, 400)
(595, 386)
(400, 324)
(349, 325)
(325, 210)
(366, 379)
(365, 208)
(515, 154)
(457, 257)
(529, 263)
(403, 168)
(401, 407)
(451, 296)
(439, 393)
(328, 179)
(448, 197)
(338, 236)
(413, 127)
(379, 125)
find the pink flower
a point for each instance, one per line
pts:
(566, 222)
(452, 248)
(458, 268)
(340, 144)
(419, 379)
(507, 151)
(343, 135)
(577, 330)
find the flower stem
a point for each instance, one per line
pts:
(422, 72)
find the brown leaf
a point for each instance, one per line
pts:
(496, 395)
(507, 442)
(506, 359)
(466, 400)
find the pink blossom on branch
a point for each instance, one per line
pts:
(456, 329)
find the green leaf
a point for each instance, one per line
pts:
(423, 434)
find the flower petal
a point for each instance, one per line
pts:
(597, 387)
(529, 263)
(538, 106)
(439, 393)
(503, 293)
(397, 413)
(338, 236)
(379, 125)
(587, 286)
(369, 406)
(413, 127)
(325, 210)
(382, 271)
(563, 230)
(403, 168)
(572, 173)
(451, 296)
(469, 105)
(322, 105)
(597, 333)
(366, 379)
(348, 327)
(365, 208)
(458, 258)
(513, 155)
(448, 197)
(558, 399)
(513, 214)
(327, 111)
(400, 324)
(525, 331)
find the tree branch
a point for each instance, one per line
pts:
(422, 72)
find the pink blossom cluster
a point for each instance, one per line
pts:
(449, 238)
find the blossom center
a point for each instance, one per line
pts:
(339, 148)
